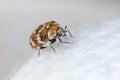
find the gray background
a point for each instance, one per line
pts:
(18, 18)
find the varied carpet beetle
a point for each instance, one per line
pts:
(46, 34)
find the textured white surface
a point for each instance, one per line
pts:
(94, 55)
(18, 18)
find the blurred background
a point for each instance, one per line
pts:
(18, 18)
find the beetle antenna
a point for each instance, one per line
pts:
(65, 27)
(66, 30)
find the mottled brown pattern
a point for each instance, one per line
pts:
(42, 34)
(31, 43)
(47, 24)
(35, 41)
(52, 30)
(53, 27)
(50, 27)
(37, 30)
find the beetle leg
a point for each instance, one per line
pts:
(53, 49)
(38, 52)
(62, 41)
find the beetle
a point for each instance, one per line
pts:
(47, 34)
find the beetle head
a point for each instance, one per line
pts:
(61, 32)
